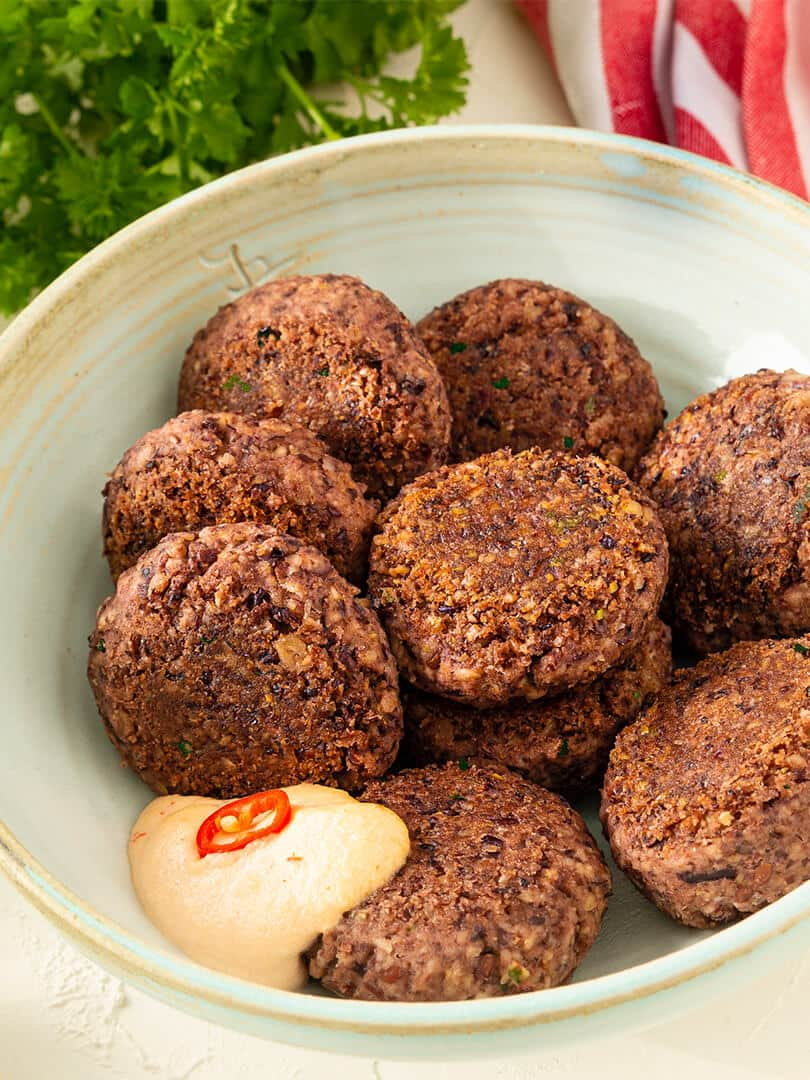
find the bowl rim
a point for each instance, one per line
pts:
(144, 963)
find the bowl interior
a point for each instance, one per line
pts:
(705, 273)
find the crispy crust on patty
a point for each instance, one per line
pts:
(561, 742)
(328, 352)
(706, 801)
(204, 468)
(516, 575)
(526, 364)
(238, 659)
(503, 892)
(731, 477)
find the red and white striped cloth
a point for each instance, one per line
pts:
(729, 79)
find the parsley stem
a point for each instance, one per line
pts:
(56, 131)
(182, 163)
(360, 90)
(309, 106)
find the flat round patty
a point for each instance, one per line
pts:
(731, 477)
(706, 800)
(238, 659)
(562, 742)
(516, 575)
(328, 352)
(212, 468)
(503, 892)
(526, 364)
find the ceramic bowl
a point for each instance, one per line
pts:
(707, 269)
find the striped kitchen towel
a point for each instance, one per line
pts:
(726, 78)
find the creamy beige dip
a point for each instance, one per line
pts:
(252, 912)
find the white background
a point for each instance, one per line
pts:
(62, 1018)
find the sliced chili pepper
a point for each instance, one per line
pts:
(242, 821)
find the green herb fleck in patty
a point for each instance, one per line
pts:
(516, 975)
(235, 381)
(802, 505)
(563, 524)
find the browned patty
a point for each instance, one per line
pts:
(238, 659)
(328, 352)
(706, 801)
(731, 477)
(212, 468)
(561, 742)
(503, 892)
(516, 575)
(526, 364)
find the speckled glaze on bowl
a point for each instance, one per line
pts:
(706, 268)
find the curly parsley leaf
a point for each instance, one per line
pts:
(110, 109)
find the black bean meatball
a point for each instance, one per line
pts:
(237, 659)
(526, 364)
(503, 892)
(328, 352)
(516, 576)
(212, 468)
(560, 742)
(731, 478)
(706, 801)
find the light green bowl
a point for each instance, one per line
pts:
(707, 269)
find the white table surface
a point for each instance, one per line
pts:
(63, 1018)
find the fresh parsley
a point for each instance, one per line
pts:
(458, 346)
(568, 442)
(110, 109)
(184, 747)
(501, 383)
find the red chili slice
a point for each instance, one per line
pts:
(231, 827)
